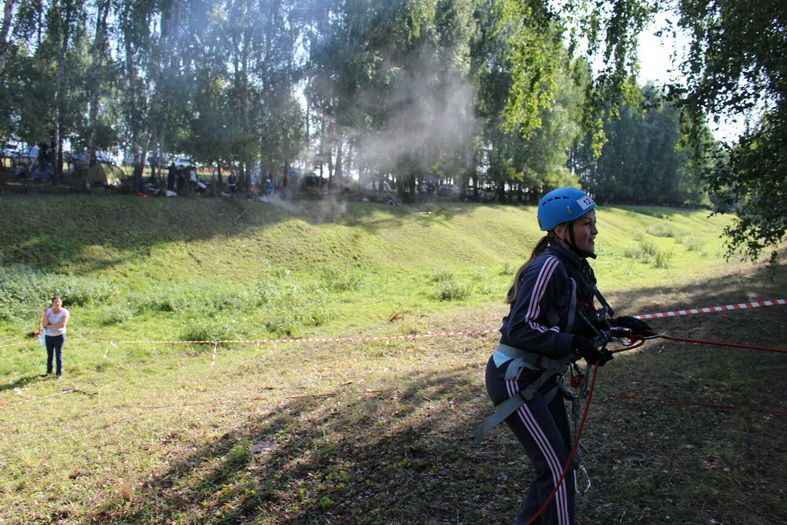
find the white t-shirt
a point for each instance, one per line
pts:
(55, 318)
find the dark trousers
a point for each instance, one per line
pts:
(542, 428)
(54, 349)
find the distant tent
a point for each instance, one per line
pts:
(105, 175)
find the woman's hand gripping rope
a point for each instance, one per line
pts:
(628, 332)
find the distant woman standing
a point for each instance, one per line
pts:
(54, 323)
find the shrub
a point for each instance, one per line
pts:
(485, 289)
(693, 244)
(441, 276)
(509, 269)
(660, 230)
(663, 258)
(452, 291)
(341, 281)
(24, 291)
(239, 455)
(216, 329)
(155, 301)
(109, 316)
(290, 308)
(283, 321)
(633, 252)
(648, 248)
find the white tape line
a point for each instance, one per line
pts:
(711, 309)
(257, 342)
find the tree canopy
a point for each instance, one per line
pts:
(501, 99)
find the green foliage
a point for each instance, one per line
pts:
(24, 291)
(660, 230)
(736, 67)
(113, 315)
(339, 280)
(648, 251)
(642, 161)
(239, 455)
(633, 251)
(452, 290)
(440, 276)
(692, 243)
(508, 269)
(478, 93)
(663, 258)
(750, 180)
(648, 248)
(279, 275)
(534, 53)
(219, 328)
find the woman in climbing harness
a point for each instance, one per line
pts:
(552, 322)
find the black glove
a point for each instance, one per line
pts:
(589, 351)
(637, 326)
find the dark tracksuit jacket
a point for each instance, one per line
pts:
(537, 322)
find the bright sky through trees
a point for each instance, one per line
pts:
(660, 56)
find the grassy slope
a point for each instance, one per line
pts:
(251, 260)
(294, 434)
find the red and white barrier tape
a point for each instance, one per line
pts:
(16, 344)
(713, 309)
(284, 340)
(361, 339)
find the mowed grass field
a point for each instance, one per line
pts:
(149, 428)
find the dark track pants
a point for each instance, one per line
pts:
(543, 430)
(54, 349)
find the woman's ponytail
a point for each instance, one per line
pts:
(540, 247)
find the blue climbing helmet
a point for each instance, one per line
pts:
(563, 205)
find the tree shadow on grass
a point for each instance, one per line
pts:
(658, 212)
(387, 216)
(391, 456)
(404, 454)
(97, 233)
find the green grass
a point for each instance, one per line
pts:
(373, 431)
(181, 268)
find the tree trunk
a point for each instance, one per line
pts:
(133, 111)
(5, 28)
(339, 157)
(60, 84)
(97, 53)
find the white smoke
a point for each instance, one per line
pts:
(430, 121)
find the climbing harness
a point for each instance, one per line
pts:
(518, 359)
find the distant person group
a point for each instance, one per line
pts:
(41, 169)
(175, 179)
(185, 180)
